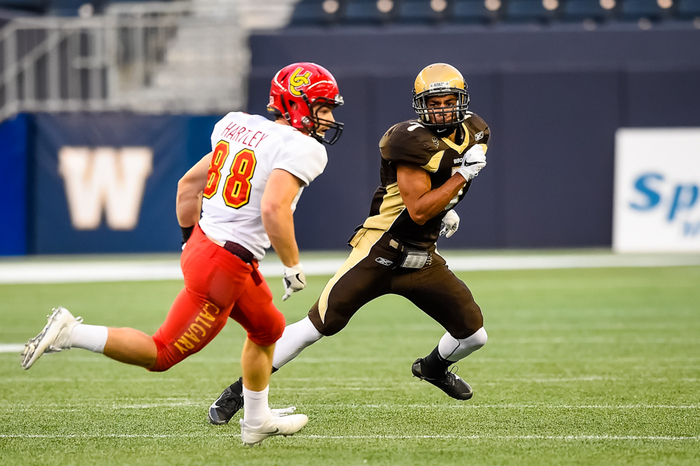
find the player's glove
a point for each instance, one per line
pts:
(474, 160)
(450, 224)
(294, 280)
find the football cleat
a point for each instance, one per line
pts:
(281, 423)
(450, 383)
(229, 403)
(55, 337)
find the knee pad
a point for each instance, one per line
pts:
(452, 349)
(478, 339)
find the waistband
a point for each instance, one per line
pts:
(247, 257)
(238, 250)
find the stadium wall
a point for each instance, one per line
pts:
(13, 186)
(554, 101)
(96, 183)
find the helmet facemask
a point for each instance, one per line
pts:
(312, 123)
(440, 80)
(450, 116)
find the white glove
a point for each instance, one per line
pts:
(450, 224)
(474, 160)
(294, 280)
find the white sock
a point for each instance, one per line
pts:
(256, 410)
(89, 337)
(453, 350)
(295, 338)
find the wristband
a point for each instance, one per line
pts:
(186, 233)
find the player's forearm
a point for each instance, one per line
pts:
(188, 208)
(188, 203)
(433, 202)
(279, 225)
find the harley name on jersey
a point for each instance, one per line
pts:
(235, 132)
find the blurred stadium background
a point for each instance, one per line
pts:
(104, 105)
(594, 107)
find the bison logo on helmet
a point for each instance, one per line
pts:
(298, 80)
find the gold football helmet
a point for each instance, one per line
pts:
(440, 79)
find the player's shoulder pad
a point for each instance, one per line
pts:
(303, 157)
(476, 122)
(408, 141)
(478, 129)
(223, 122)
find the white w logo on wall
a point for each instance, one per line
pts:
(105, 179)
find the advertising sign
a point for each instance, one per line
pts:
(657, 183)
(106, 183)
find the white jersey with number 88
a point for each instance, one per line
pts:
(246, 148)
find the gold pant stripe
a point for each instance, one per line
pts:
(361, 244)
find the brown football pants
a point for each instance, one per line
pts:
(371, 271)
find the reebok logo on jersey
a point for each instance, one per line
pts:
(479, 136)
(384, 262)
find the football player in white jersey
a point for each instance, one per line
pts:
(237, 201)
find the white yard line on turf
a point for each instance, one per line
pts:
(12, 348)
(451, 407)
(81, 271)
(502, 437)
(372, 437)
(448, 407)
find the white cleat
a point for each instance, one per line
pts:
(283, 411)
(281, 423)
(54, 338)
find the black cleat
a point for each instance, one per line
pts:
(450, 383)
(229, 403)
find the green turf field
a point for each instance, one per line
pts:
(587, 366)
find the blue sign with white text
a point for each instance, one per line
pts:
(657, 190)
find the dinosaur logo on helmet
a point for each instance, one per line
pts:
(298, 80)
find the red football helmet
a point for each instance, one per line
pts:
(296, 88)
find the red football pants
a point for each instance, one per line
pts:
(218, 285)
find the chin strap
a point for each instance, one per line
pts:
(286, 113)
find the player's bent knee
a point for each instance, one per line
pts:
(167, 356)
(170, 354)
(330, 330)
(327, 327)
(270, 333)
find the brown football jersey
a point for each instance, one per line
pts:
(411, 142)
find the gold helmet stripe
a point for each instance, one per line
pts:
(439, 77)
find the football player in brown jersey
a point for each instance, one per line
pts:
(427, 166)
